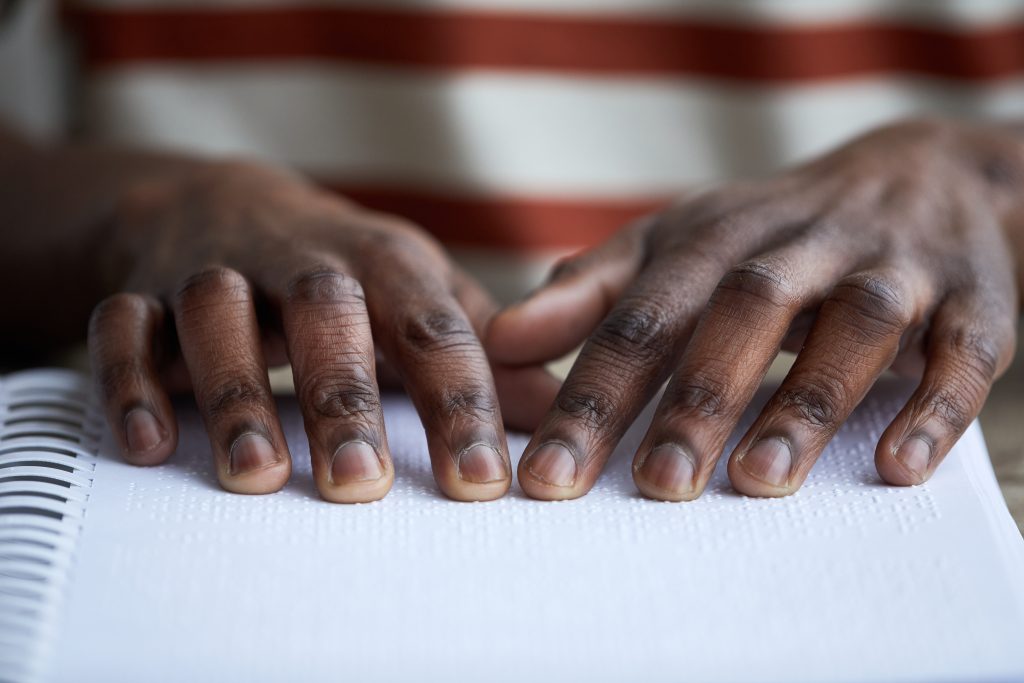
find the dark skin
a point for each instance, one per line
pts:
(198, 275)
(900, 249)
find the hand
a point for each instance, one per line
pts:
(889, 252)
(229, 267)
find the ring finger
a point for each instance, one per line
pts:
(855, 338)
(748, 317)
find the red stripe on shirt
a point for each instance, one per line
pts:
(461, 39)
(506, 223)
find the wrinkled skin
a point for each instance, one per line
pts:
(898, 250)
(231, 267)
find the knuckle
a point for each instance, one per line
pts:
(999, 168)
(395, 230)
(477, 403)
(699, 396)
(117, 376)
(566, 268)
(951, 404)
(215, 281)
(634, 331)
(437, 330)
(117, 366)
(703, 209)
(981, 352)
(731, 221)
(119, 307)
(342, 396)
(589, 405)
(234, 395)
(395, 238)
(764, 281)
(819, 404)
(875, 299)
(324, 286)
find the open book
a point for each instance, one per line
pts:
(110, 572)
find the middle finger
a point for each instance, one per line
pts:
(855, 338)
(331, 349)
(739, 334)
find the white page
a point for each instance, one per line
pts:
(176, 580)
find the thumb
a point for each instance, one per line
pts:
(556, 318)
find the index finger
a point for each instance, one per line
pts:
(616, 374)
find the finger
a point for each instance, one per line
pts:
(970, 344)
(431, 341)
(750, 314)
(855, 338)
(617, 372)
(122, 334)
(580, 291)
(219, 336)
(525, 392)
(331, 349)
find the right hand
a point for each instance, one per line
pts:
(236, 265)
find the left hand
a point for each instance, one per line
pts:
(891, 252)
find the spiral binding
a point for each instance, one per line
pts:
(50, 435)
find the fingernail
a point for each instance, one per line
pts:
(251, 452)
(480, 464)
(142, 431)
(915, 453)
(768, 460)
(669, 467)
(355, 461)
(552, 464)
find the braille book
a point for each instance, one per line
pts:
(110, 572)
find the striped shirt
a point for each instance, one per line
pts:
(515, 130)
